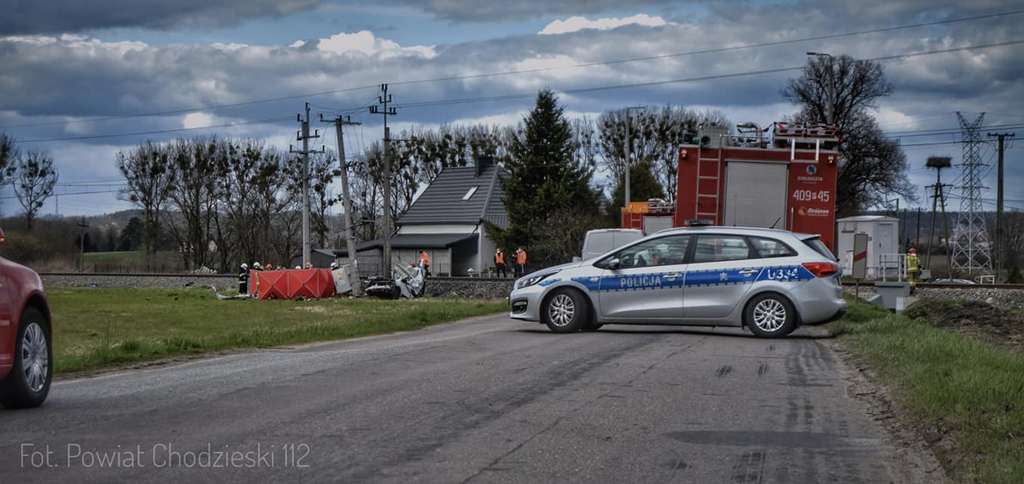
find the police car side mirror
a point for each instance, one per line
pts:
(613, 263)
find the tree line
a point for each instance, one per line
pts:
(223, 201)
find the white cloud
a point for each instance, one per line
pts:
(364, 42)
(196, 120)
(575, 24)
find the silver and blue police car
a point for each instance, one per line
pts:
(769, 281)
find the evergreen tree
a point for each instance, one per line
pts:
(642, 184)
(545, 177)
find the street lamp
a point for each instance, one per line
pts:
(830, 87)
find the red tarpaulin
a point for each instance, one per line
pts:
(291, 284)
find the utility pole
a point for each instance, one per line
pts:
(304, 136)
(81, 256)
(350, 239)
(629, 155)
(938, 195)
(1000, 223)
(384, 100)
(917, 236)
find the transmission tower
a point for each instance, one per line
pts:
(971, 247)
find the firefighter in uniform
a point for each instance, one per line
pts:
(520, 255)
(913, 268)
(425, 262)
(243, 279)
(499, 262)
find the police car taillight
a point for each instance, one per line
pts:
(821, 269)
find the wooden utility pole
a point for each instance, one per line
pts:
(384, 100)
(350, 238)
(304, 136)
(1000, 251)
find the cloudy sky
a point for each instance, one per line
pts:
(83, 80)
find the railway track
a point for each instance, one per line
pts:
(480, 279)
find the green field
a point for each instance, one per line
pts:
(96, 328)
(970, 393)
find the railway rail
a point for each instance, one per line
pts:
(481, 279)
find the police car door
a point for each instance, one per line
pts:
(644, 282)
(719, 274)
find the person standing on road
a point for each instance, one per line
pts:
(425, 262)
(913, 268)
(520, 262)
(499, 263)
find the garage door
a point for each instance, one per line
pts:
(755, 194)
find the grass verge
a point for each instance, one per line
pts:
(96, 328)
(968, 395)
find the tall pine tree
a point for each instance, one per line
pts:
(544, 177)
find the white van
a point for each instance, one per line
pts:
(600, 241)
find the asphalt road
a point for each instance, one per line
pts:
(483, 400)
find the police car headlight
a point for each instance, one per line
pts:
(531, 280)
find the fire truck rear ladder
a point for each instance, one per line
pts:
(716, 176)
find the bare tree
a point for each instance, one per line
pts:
(8, 153)
(322, 171)
(839, 91)
(656, 134)
(194, 195)
(148, 180)
(34, 179)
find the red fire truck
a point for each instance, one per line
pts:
(787, 181)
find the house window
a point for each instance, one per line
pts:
(469, 194)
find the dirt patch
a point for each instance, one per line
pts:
(977, 319)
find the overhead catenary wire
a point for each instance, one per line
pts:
(209, 107)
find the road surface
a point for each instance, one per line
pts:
(484, 400)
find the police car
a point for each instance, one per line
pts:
(769, 281)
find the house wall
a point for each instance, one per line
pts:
(440, 259)
(464, 257)
(486, 252)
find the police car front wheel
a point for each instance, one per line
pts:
(565, 311)
(770, 315)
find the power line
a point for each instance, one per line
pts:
(12, 197)
(209, 107)
(453, 101)
(444, 102)
(158, 131)
(941, 131)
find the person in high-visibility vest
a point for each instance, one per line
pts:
(425, 262)
(499, 262)
(913, 267)
(520, 262)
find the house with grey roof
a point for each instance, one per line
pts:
(448, 221)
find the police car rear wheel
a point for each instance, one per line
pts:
(565, 311)
(770, 316)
